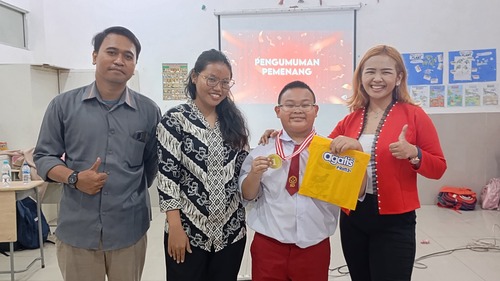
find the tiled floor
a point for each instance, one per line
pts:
(444, 229)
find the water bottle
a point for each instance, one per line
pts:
(26, 171)
(6, 173)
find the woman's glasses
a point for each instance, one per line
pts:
(213, 82)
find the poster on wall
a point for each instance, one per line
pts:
(436, 95)
(469, 66)
(424, 68)
(472, 95)
(454, 96)
(490, 94)
(420, 94)
(174, 76)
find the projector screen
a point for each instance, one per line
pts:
(269, 50)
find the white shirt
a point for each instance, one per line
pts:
(295, 219)
(366, 141)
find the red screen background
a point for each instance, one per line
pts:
(330, 73)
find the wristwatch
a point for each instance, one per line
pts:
(415, 160)
(73, 179)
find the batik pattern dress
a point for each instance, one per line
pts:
(198, 175)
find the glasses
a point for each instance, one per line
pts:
(306, 107)
(213, 82)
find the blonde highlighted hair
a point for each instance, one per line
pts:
(360, 98)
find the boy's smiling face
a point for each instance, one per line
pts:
(297, 111)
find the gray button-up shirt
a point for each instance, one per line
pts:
(81, 126)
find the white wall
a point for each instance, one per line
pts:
(12, 97)
(178, 30)
(26, 92)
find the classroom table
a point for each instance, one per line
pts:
(17, 190)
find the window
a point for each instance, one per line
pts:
(12, 26)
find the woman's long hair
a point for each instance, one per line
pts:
(231, 120)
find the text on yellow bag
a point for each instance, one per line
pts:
(333, 178)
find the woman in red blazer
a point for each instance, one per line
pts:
(378, 238)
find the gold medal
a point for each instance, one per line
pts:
(275, 161)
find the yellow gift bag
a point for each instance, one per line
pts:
(333, 178)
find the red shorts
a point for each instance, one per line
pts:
(273, 260)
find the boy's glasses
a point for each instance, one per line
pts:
(291, 107)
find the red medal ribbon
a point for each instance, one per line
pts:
(303, 145)
(292, 184)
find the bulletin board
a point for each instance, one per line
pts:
(472, 82)
(449, 50)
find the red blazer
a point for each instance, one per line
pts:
(397, 179)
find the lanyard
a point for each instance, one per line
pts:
(303, 145)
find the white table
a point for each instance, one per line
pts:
(8, 225)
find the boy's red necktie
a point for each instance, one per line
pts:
(292, 183)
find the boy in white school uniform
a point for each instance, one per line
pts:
(292, 231)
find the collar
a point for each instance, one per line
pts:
(92, 92)
(286, 137)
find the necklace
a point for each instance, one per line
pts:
(376, 114)
(375, 141)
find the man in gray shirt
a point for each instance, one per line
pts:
(105, 133)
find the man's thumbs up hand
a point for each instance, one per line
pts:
(91, 181)
(96, 164)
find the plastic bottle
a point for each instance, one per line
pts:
(6, 173)
(26, 171)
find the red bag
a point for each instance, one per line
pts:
(457, 198)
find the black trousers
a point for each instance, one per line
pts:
(378, 247)
(201, 265)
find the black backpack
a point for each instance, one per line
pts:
(27, 227)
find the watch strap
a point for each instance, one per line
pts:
(73, 179)
(415, 160)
